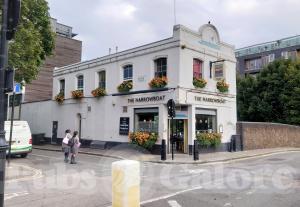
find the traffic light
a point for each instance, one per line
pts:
(171, 108)
(13, 16)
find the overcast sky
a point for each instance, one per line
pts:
(103, 24)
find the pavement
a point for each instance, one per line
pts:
(270, 180)
(133, 153)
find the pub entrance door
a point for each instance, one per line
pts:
(180, 135)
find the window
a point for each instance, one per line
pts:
(253, 64)
(268, 59)
(219, 70)
(206, 121)
(127, 72)
(80, 82)
(289, 55)
(197, 68)
(62, 86)
(102, 79)
(160, 67)
(146, 120)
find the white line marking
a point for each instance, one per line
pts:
(171, 195)
(174, 203)
(227, 204)
(13, 195)
(37, 174)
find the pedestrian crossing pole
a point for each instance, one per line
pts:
(10, 19)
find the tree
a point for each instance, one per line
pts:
(273, 95)
(33, 41)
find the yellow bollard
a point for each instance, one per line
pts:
(126, 183)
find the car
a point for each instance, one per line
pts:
(21, 138)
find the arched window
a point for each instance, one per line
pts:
(160, 67)
(80, 82)
(197, 68)
(127, 72)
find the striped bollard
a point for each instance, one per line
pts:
(126, 183)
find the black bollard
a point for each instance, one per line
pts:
(196, 150)
(163, 151)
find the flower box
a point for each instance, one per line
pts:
(158, 82)
(98, 92)
(222, 86)
(59, 98)
(77, 94)
(209, 139)
(199, 82)
(125, 86)
(144, 139)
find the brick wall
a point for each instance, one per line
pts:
(66, 52)
(258, 135)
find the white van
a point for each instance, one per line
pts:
(21, 138)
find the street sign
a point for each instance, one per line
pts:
(18, 88)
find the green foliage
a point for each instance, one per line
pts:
(209, 139)
(273, 96)
(125, 86)
(144, 139)
(199, 82)
(33, 41)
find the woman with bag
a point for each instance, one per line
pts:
(65, 144)
(74, 147)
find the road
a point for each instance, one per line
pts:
(43, 179)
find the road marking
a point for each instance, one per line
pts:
(174, 203)
(13, 195)
(37, 174)
(171, 195)
(227, 204)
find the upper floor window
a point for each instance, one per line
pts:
(268, 59)
(219, 70)
(253, 64)
(197, 68)
(160, 67)
(127, 72)
(62, 86)
(289, 55)
(80, 82)
(102, 79)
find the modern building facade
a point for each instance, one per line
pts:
(67, 51)
(251, 59)
(186, 55)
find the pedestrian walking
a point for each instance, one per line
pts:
(65, 144)
(75, 144)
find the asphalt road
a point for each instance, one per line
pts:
(43, 179)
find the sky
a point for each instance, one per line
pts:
(104, 24)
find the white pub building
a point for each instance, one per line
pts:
(182, 58)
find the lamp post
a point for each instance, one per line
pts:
(3, 99)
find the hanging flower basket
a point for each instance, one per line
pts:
(98, 92)
(125, 86)
(158, 82)
(77, 94)
(222, 86)
(199, 82)
(59, 98)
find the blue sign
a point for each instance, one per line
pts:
(18, 88)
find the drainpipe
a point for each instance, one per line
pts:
(80, 118)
